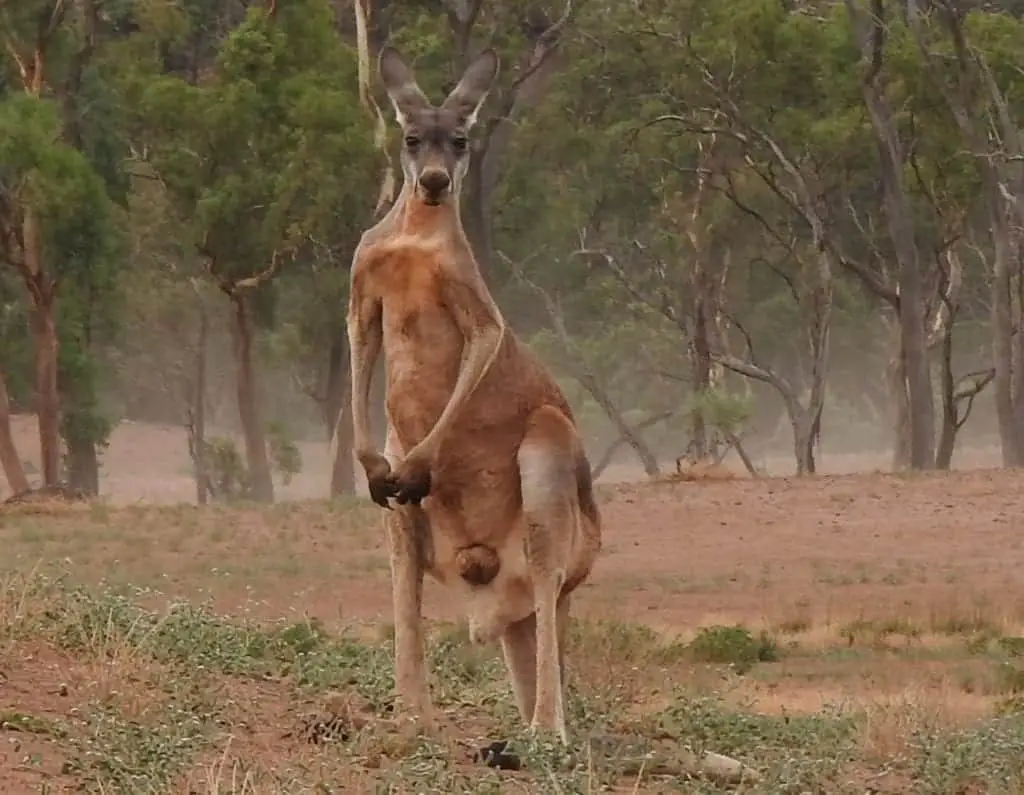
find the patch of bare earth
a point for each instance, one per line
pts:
(827, 549)
(46, 692)
(34, 698)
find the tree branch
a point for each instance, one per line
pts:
(265, 275)
(584, 374)
(522, 93)
(606, 457)
(665, 308)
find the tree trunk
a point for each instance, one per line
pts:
(343, 476)
(249, 414)
(902, 231)
(337, 418)
(83, 465)
(701, 364)
(998, 166)
(605, 458)
(535, 65)
(44, 328)
(805, 432)
(917, 368)
(633, 438)
(476, 216)
(896, 379)
(1002, 353)
(44, 332)
(1017, 351)
(819, 297)
(9, 458)
(197, 421)
(78, 416)
(803, 446)
(948, 431)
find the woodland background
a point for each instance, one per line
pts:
(765, 224)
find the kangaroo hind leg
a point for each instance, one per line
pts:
(547, 467)
(409, 547)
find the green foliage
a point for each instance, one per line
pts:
(1011, 645)
(228, 474)
(992, 754)
(37, 169)
(284, 453)
(1009, 677)
(735, 646)
(286, 88)
(43, 174)
(192, 664)
(127, 756)
(721, 409)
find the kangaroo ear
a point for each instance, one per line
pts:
(400, 83)
(471, 91)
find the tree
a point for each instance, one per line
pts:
(9, 460)
(53, 216)
(984, 118)
(56, 216)
(285, 85)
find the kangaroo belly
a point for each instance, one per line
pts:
(423, 353)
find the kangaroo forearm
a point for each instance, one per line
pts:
(365, 345)
(483, 350)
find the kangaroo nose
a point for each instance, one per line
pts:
(434, 182)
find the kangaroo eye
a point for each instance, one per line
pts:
(412, 141)
(459, 143)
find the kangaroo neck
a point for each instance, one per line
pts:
(416, 218)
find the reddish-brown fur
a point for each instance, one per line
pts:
(476, 472)
(493, 489)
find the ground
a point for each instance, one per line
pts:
(836, 634)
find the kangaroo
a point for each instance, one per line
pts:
(491, 485)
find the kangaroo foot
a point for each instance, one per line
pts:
(497, 755)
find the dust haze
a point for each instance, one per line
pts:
(147, 459)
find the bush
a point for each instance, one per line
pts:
(735, 646)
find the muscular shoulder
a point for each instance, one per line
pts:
(400, 274)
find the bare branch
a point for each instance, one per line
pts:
(521, 94)
(23, 67)
(664, 308)
(736, 443)
(969, 391)
(265, 275)
(606, 457)
(386, 192)
(584, 374)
